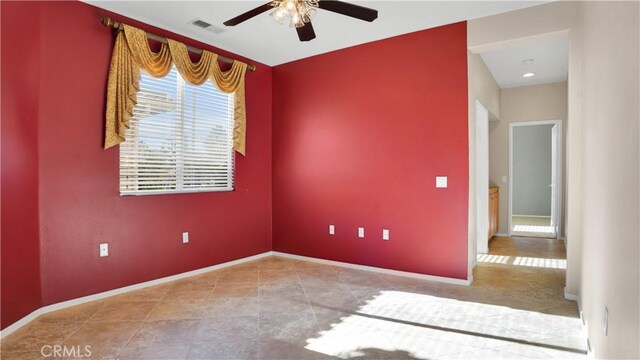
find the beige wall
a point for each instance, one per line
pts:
(552, 21)
(610, 172)
(603, 195)
(523, 104)
(482, 86)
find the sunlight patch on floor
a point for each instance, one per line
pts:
(533, 229)
(493, 259)
(540, 262)
(522, 261)
(404, 324)
(532, 225)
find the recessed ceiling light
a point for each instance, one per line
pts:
(528, 75)
(527, 61)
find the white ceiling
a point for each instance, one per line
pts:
(550, 63)
(264, 40)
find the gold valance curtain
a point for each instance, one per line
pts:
(132, 53)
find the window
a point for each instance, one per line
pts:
(180, 139)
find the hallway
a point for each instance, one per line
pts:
(528, 273)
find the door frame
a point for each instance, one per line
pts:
(560, 166)
(482, 172)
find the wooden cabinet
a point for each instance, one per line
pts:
(494, 203)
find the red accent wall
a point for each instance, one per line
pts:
(20, 253)
(358, 137)
(362, 154)
(62, 92)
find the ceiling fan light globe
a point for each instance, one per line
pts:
(296, 24)
(297, 20)
(290, 5)
(278, 16)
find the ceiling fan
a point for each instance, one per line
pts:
(300, 13)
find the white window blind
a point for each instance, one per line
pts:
(180, 139)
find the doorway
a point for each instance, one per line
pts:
(535, 166)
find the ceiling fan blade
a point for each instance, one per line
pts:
(306, 33)
(249, 14)
(355, 11)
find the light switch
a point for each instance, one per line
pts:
(185, 237)
(332, 230)
(441, 182)
(385, 234)
(361, 232)
(104, 249)
(504, 179)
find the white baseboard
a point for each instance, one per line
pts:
(534, 216)
(502, 235)
(570, 296)
(377, 269)
(85, 299)
(65, 304)
(22, 322)
(585, 326)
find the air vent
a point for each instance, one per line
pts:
(207, 26)
(200, 23)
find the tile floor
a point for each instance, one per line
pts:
(276, 308)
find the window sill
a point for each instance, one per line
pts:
(174, 192)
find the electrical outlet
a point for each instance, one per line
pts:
(385, 234)
(332, 230)
(104, 249)
(361, 232)
(185, 237)
(605, 322)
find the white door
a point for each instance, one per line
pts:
(482, 178)
(555, 184)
